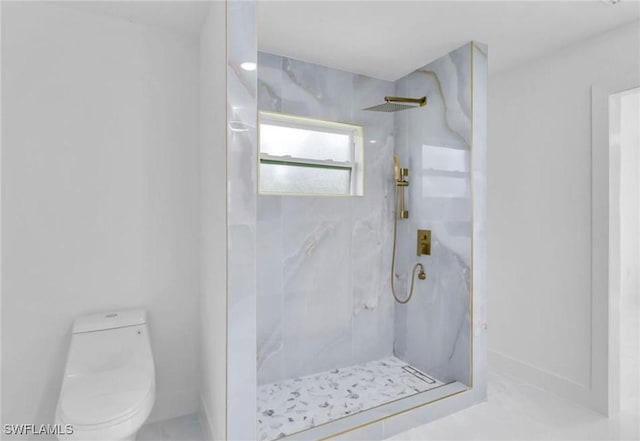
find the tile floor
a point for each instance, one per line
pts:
(290, 406)
(186, 428)
(515, 411)
(519, 411)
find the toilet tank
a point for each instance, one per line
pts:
(109, 320)
(110, 342)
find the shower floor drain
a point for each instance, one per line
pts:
(416, 373)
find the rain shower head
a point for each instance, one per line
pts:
(396, 103)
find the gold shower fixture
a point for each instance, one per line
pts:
(401, 175)
(396, 103)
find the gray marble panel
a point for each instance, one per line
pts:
(317, 305)
(328, 257)
(269, 243)
(241, 218)
(479, 174)
(270, 344)
(433, 330)
(270, 82)
(316, 91)
(373, 329)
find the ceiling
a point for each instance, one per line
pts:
(182, 16)
(388, 39)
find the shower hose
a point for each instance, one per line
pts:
(393, 257)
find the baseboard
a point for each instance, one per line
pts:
(553, 383)
(205, 421)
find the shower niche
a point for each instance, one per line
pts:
(340, 327)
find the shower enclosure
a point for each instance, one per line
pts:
(317, 240)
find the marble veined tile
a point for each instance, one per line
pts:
(318, 91)
(300, 403)
(433, 331)
(242, 160)
(327, 259)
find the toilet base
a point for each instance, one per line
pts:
(131, 426)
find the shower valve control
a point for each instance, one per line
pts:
(424, 242)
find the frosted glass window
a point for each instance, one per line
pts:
(309, 156)
(281, 178)
(305, 143)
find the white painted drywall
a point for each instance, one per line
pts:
(539, 207)
(213, 215)
(630, 196)
(99, 196)
(629, 248)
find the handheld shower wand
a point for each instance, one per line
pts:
(401, 182)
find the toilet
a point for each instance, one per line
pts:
(108, 389)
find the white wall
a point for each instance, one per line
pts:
(629, 248)
(630, 197)
(213, 215)
(99, 196)
(539, 202)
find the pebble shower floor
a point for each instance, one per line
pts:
(290, 406)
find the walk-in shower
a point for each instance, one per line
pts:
(334, 349)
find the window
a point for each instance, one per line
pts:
(309, 156)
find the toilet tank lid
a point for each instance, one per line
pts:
(109, 320)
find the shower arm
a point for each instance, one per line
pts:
(400, 99)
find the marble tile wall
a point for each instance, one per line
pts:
(480, 70)
(323, 262)
(432, 332)
(242, 162)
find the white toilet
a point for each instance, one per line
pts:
(108, 388)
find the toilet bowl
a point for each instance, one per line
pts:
(108, 389)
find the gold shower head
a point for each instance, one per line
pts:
(396, 103)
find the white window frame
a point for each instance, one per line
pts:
(356, 154)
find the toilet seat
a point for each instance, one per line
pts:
(105, 397)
